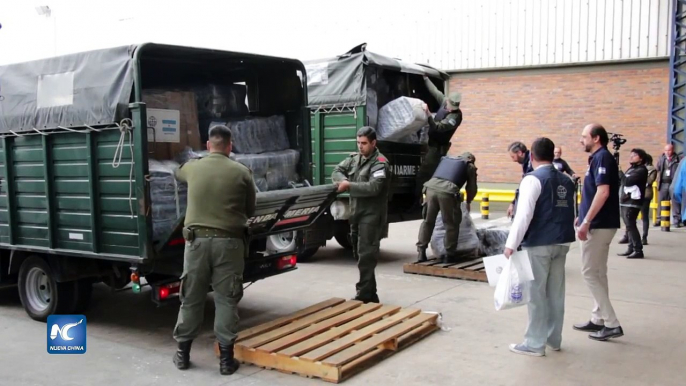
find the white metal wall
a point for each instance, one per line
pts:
(510, 33)
(449, 34)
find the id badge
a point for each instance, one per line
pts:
(668, 173)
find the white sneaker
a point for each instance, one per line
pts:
(524, 350)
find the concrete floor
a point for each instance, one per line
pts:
(130, 343)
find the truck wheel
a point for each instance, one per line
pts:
(282, 242)
(307, 254)
(342, 234)
(40, 294)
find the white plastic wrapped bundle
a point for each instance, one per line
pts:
(258, 163)
(261, 184)
(467, 241)
(188, 154)
(401, 118)
(256, 135)
(168, 197)
(492, 240)
(273, 170)
(282, 168)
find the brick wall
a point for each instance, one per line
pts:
(501, 107)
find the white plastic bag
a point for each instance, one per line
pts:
(511, 291)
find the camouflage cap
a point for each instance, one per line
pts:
(453, 100)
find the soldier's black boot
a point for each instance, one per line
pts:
(182, 358)
(227, 363)
(421, 256)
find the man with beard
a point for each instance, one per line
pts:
(597, 224)
(519, 153)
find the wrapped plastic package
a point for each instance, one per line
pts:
(258, 163)
(273, 170)
(256, 135)
(400, 118)
(215, 101)
(467, 241)
(188, 154)
(168, 197)
(492, 240)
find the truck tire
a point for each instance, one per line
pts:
(342, 234)
(40, 294)
(307, 254)
(282, 242)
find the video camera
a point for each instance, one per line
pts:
(617, 141)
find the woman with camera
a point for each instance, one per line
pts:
(647, 199)
(632, 198)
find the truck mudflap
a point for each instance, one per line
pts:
(276, 212)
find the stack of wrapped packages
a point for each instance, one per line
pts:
(485, 240)
(492, 239)
(168, 197)
(467, 240)
(403, 120)
(262, 145)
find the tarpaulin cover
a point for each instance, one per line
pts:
(85, 88)
(339, 80)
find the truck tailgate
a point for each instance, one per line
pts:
(290, 209)
(276, 211)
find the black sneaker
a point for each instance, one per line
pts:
(588, 327)
(607, 334)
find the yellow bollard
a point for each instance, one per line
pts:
(665, 214)
(484, 206)
(655, 205)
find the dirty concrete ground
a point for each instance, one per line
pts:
(130, 343)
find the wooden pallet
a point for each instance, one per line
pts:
(468, 270)
(334, 339)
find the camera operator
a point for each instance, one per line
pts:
(633, 195)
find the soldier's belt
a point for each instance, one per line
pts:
(206, 233)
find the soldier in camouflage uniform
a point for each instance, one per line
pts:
(443, 195)
(221, 198)
(441, 130)
(365, 175)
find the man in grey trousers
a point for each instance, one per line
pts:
(544, 226)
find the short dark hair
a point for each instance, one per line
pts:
(516, 147)
(220, 136)
(543, 149)
(642, 154)
(367, 131)
(597, 130)
(648, 159)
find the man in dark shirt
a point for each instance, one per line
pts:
(667, 167)
(561, 165)
(597, 223)
(520, 154)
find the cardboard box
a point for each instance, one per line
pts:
(172, 123)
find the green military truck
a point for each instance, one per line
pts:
(346, 93)
(82, 199)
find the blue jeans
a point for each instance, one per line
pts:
(547, 305)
